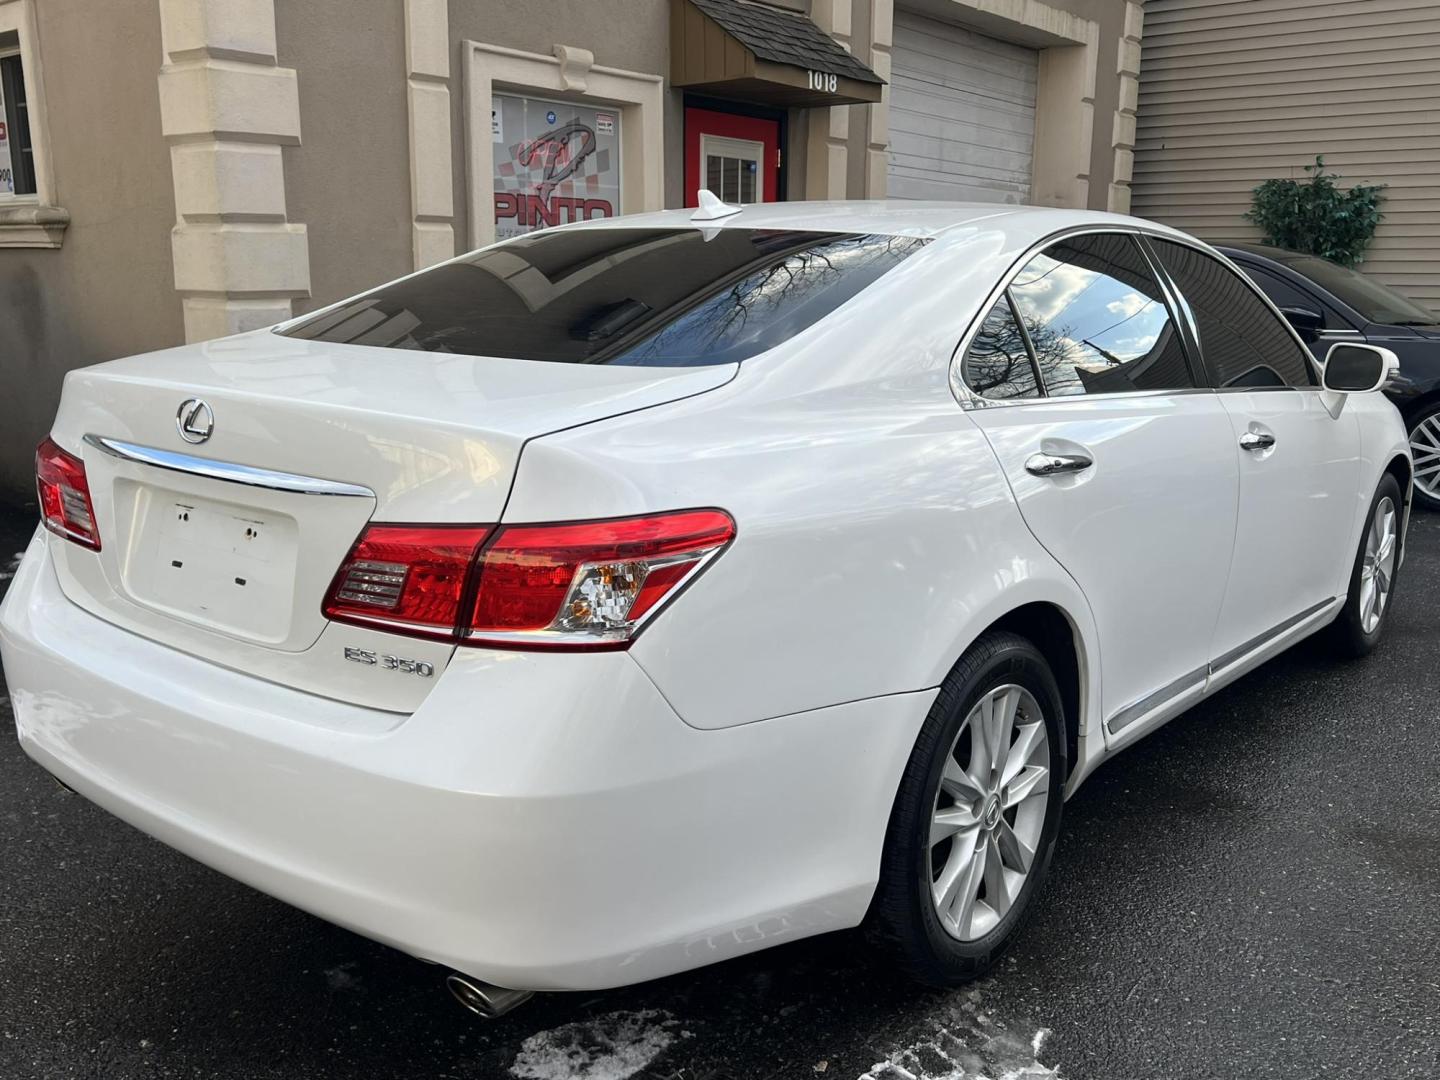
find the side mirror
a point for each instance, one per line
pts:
(1307, 323)
(1358, 369)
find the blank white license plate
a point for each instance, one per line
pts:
(218, 564)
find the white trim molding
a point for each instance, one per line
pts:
(226, 110)
(31, 221)
(827, 143)
(427, 92)
(877, 145)
(569, 74)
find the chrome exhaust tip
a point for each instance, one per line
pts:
(486, 1001)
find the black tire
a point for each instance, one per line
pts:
(1430, 412)
(1347, 634)
(902, 921)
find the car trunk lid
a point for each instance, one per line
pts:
(223, 544)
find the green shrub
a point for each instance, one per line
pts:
(1316, 217)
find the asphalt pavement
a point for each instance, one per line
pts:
(1254, 891)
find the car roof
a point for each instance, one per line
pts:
(882, 216)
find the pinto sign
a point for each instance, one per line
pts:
(555, 162)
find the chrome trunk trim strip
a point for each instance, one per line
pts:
(225, 470)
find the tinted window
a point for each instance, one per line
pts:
(1376, 302)
(1097, 319)
(1280, 292)
(1244, 343)
(662, 297)
(997, 364)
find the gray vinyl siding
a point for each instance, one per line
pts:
(1234, 92)
(962, 114)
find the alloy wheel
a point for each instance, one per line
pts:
(1425, 448)
(1377, 570)
(989, 812)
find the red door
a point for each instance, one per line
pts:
(736, 157)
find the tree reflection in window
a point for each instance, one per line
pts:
(772, 303)
(997, 364)
(1097, 319)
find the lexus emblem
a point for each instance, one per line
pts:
(194, 420)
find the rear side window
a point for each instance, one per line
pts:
(657, 297)
(1244, 343)
(1097, 319)
(997, 364)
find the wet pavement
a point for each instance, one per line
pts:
(1254, 891)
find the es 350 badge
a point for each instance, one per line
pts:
(389, 663)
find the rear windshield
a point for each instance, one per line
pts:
(659, 297)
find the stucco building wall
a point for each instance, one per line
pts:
(108, 290)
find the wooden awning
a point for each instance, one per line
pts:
(749, 52)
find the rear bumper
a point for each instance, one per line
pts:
(542, 822)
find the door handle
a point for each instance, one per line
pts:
(1056, 464)
(1256, 440)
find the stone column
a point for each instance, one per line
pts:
(1122, 139)
(226, 109)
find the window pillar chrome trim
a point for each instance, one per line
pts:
(228, 471)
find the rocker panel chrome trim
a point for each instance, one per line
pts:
(1261, 640)
(1135, 710)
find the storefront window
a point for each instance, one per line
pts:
(17, 168)
(555, 162)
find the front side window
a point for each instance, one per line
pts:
(1244, 343)
(17, 155)
(648, 297)
(997, 364)
(1097, 319)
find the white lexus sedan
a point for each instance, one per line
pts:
(632, 595)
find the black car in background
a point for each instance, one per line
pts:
(1327, 303)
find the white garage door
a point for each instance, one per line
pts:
(962, 114)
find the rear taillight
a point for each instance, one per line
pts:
(65, 505)
(591, 584)
(583, 585)
(406, 578)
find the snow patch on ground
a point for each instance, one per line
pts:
(610, 1047)
(964, 1042)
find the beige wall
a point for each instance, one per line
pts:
(348, 182)
(1234, 94)
(108, 291)
(630, 34)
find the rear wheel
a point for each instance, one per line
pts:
(975, 819)
(1361, 622)
(1425, 447)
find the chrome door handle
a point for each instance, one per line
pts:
(1055, 464)
(1257, 440)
